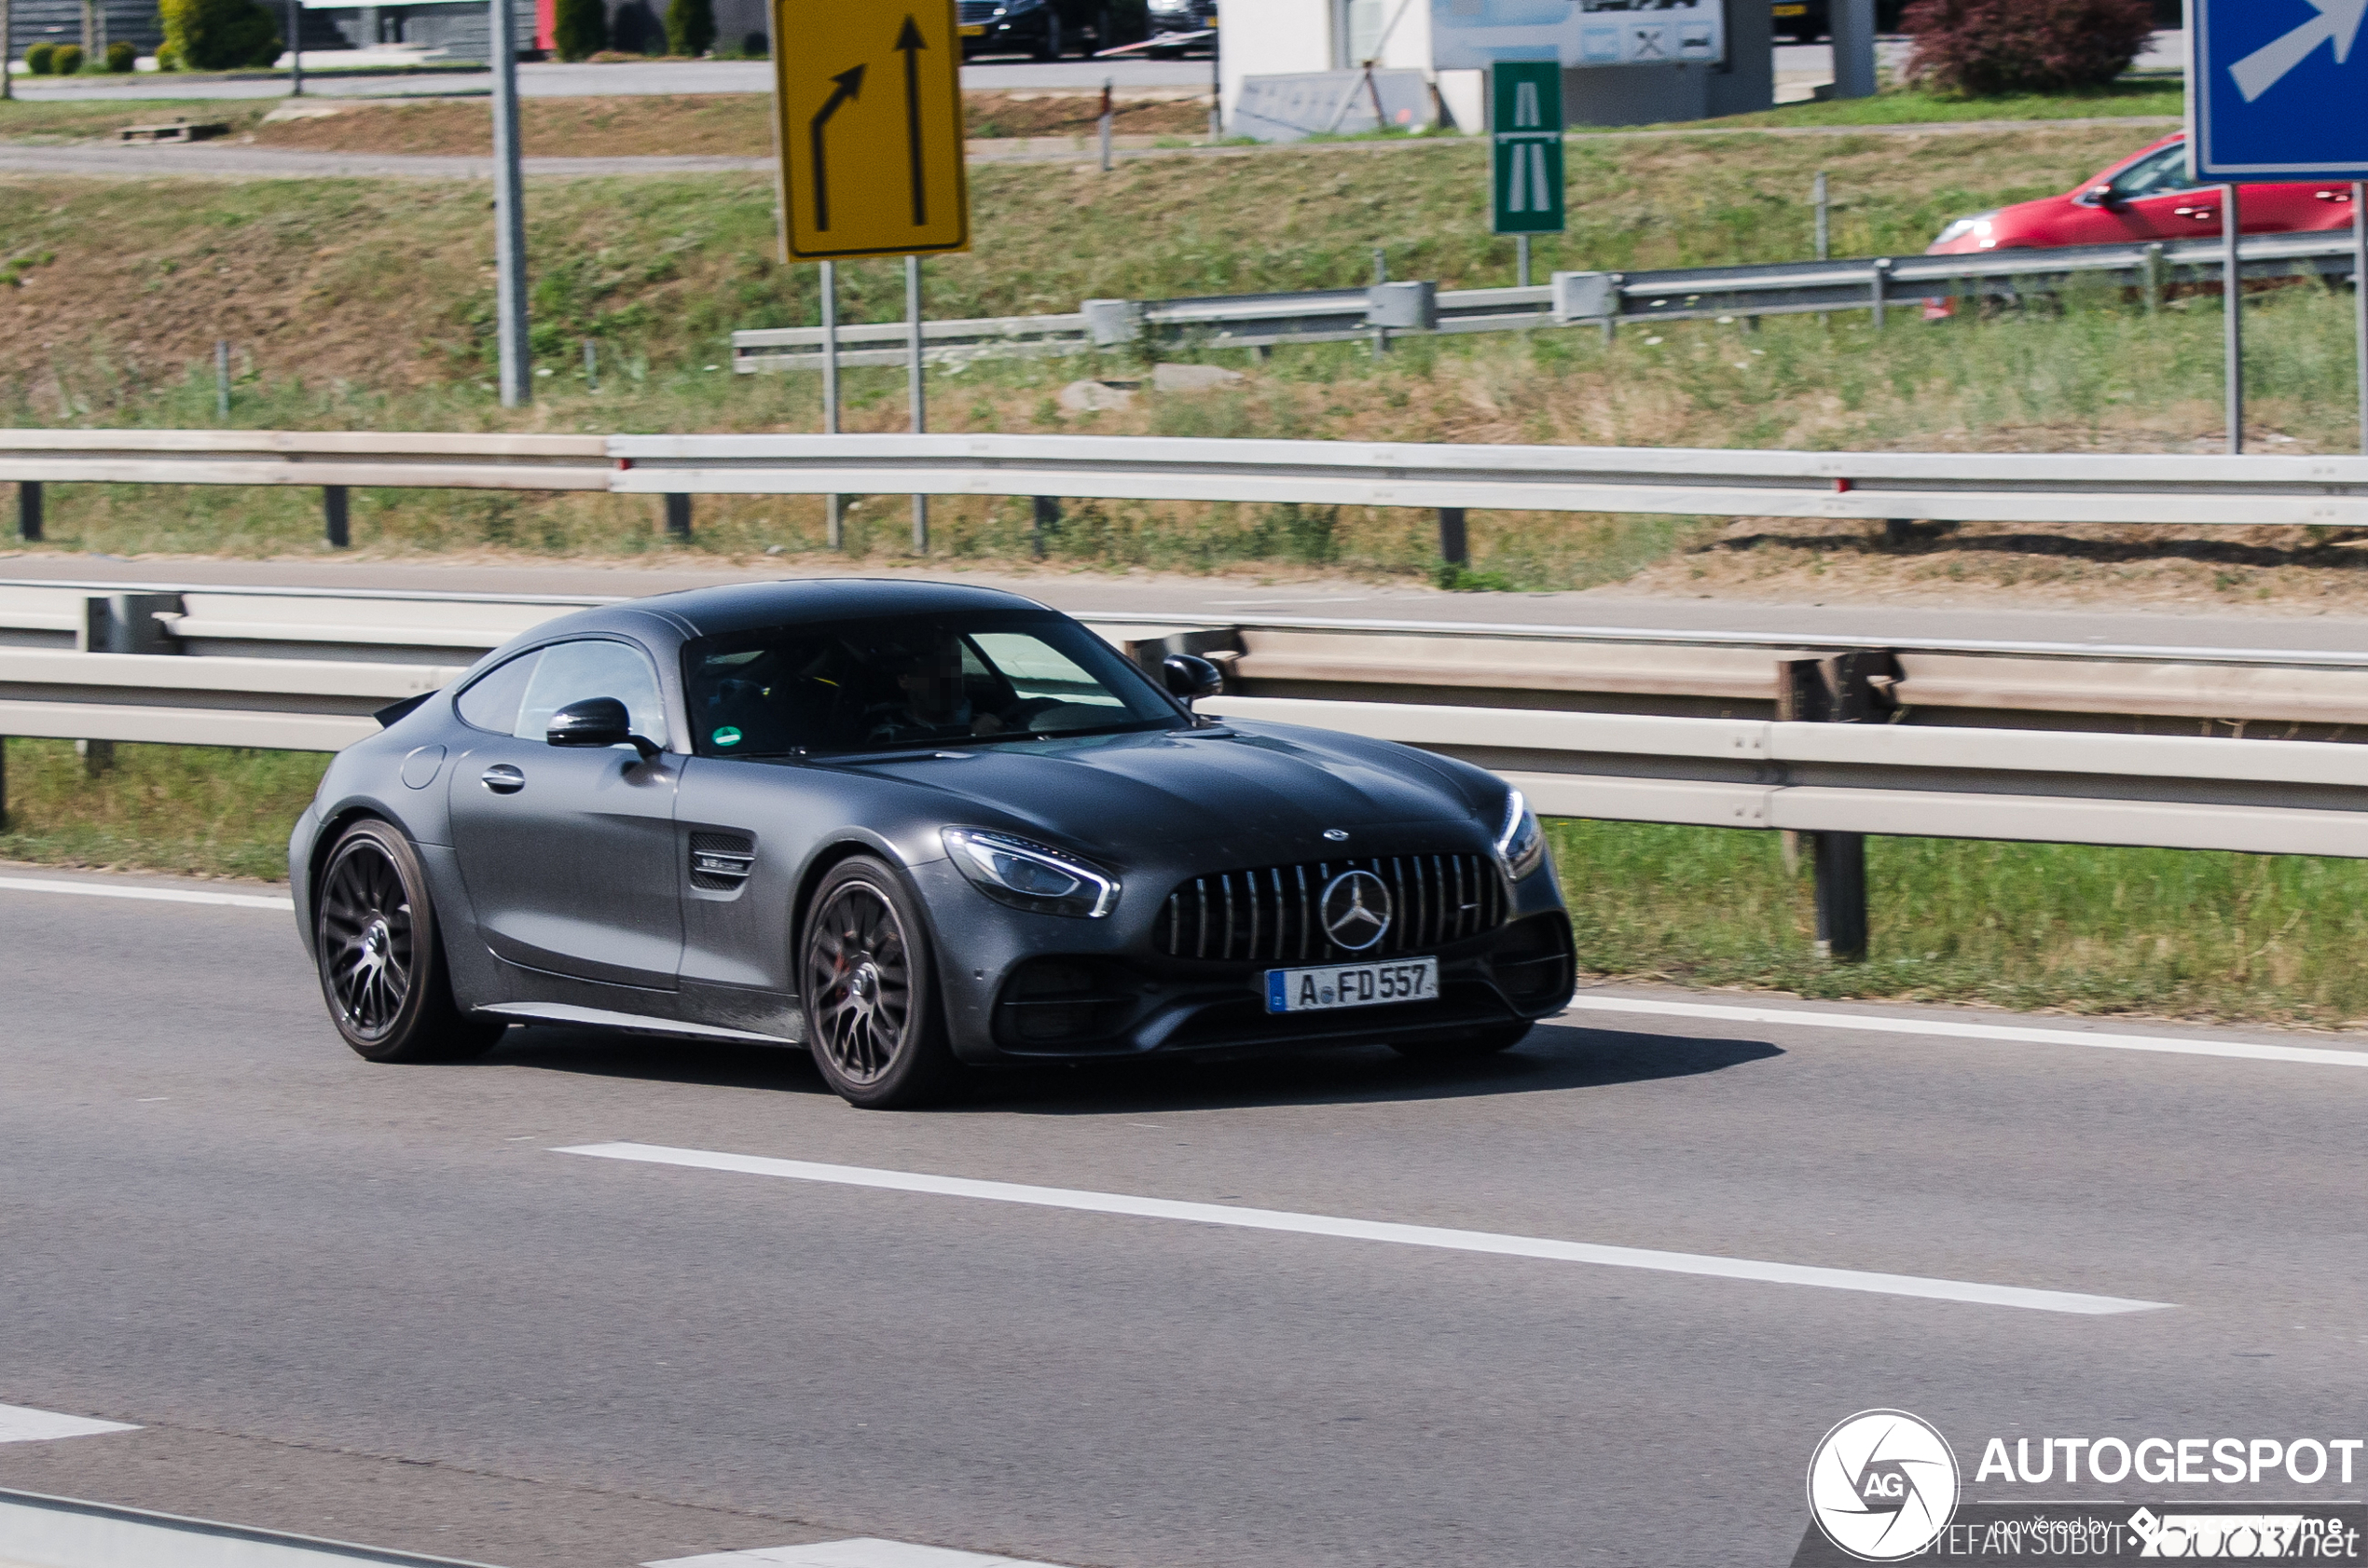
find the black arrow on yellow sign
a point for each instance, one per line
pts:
(850, 83)
(909, 44)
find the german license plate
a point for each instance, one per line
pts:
(1791, 11)
(1339, 985)
(973, 32)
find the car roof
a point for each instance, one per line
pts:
(747, 606)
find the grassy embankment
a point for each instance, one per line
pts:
(121, 287)
(2093, 931)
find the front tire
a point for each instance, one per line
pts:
(869, 978)
(379, 949)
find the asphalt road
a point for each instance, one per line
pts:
(1144, 593)
(377, 1302)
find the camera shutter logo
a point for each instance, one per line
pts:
(1882, 1485)
(1356, 910)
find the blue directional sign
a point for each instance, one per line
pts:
(2275, 90)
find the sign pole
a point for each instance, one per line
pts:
(509, 217)
(7, 52)
(2233, 318)
(831, 521)
(2358, 293)
(1520, 253)
(296, 48)
(919, 389)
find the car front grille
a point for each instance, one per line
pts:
(978, 11)
(1271, 915)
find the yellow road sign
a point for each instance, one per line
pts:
(869, 102)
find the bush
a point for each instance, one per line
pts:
(1989, 49)
(122, 56)
(168, 57)
(218, 35)
(690, 26)
(67, 60)
(42, 59)
(580, 28)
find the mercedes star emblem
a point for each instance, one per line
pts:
(1356, 910)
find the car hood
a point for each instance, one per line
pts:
(1257, 789)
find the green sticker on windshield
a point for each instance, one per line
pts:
(727, 736)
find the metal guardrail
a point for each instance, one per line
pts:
(1603, 299)
(38, 1531)
(1982, 486)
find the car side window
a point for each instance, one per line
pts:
(594, 667)
(2158, 175)
(491, 701)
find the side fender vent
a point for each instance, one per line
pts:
(721, 862)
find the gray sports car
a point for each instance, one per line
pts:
(910, 827)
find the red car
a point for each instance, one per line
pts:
(2147, 197)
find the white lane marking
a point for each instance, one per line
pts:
(1952, 1029)
(862, 1551)
(158, 895)
(1373, 1230)
(19, 1424)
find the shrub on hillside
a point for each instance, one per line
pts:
(690, 26)
(218, 35)
(122, 56)
(67, 60)
(42, 59)
(580, 28)
(1986, 48)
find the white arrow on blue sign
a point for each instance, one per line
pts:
(2275, 90)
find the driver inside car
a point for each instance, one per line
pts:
(936, 695)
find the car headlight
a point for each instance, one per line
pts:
(1031, 877)
(1978, 224)
(1520, 842)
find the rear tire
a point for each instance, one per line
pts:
(869, 981)
(1479, 1042)
(379, 949)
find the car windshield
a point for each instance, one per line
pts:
(2158, 173)
(842, 686)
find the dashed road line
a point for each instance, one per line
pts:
(1376, 1231)
(22, 1424)
(154, 895)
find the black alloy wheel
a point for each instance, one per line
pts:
(871, 990)
(381, 955)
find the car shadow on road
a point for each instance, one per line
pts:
(1555, 1056)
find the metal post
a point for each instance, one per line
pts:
(1853, 31)
(834, 524)
(221, 377)
(2358, 294)
(1824, 217)
(296, 48)
(591, 365)
(1106, 112)
(1216, 94)
(509, 217)
(919, 390)
(2233, 314)
(4, 739)
(1882, 277)
(1380, 275)
(2154, 278)
(1840, 861)
(678, 516)
(28, 497)
(8, 53)
(1521, 254)
(1454, 544)
(1047, 521)
(333, 517)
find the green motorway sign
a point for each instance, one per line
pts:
(1525, 168)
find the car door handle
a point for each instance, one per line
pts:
(2198, 214)
(503, 779)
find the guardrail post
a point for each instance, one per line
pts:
(2153, 277)
(1846, 689)
(1455, 545)
(1882, 277)
(28, 500)
(678, 516)
(333, 511)
(1047, 521)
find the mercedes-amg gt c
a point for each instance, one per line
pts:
(909, 826)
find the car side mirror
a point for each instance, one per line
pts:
(1189, 678)
(2105, 196)
(596, 722)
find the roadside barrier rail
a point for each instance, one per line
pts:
(1601, 298)
(1824, 737)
